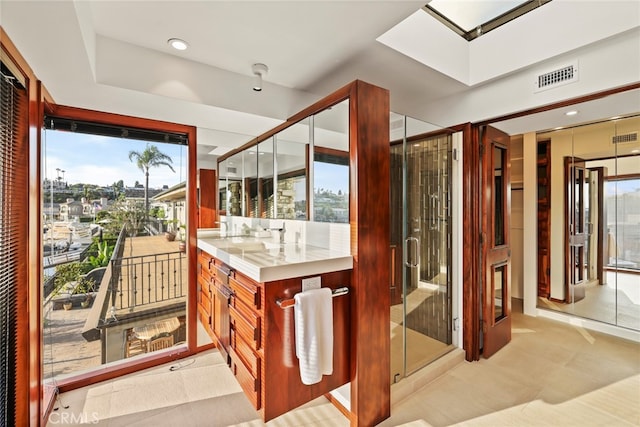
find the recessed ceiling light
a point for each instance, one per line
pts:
(178, 44)
(571, 113)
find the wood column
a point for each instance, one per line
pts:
(208, 212)
(369, 217)
(471, 181)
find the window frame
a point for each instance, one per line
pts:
(129, 366)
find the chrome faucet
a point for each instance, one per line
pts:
(281, 231)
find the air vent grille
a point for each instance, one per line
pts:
(397, 124)
(622, 139)
(558, 77)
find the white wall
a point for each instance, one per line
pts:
(517, 216)
(515, 92)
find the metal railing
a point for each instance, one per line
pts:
(148, 279)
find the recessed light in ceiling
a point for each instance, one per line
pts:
(571, 113)
(178, 44)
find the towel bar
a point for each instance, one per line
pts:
(286, 303)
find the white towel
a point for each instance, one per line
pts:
(314, 334)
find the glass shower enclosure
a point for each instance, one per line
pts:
(421, 287)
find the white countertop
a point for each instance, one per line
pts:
(264, 260)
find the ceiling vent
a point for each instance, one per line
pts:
(558, 77)
(232, 170)
(397, 124)
(624, 138)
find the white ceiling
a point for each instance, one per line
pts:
(113, 56)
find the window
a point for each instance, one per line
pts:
(115, 220)
(471, 19)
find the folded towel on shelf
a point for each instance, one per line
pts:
(314, 334)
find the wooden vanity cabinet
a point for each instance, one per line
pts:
(261, 344)
(213, 300)
(245, 320)
(204, 293)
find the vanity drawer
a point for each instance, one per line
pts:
(204, 259)
(204, 294)
(249, 383)
(247, 325)
(245, 291)
(204, 272)
(221, 272)
(245, 351)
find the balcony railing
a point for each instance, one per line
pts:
(142, 280)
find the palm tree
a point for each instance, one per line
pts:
(150, 157)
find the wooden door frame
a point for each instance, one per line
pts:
(496, 332)
(601, 226)
(569, 166)
(471, 223)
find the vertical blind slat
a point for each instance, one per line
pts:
(13, 235)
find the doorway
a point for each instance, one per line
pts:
(422, 293)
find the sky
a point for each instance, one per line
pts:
(100, 160)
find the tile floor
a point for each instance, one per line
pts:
(551, 374)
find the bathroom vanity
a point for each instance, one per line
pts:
(240, 281)
(325, 166)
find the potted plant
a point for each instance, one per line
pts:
(183, 243)
(170, 234)
(67, 304)
(85, 286)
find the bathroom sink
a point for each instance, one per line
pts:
(240, 244)
(208, 232)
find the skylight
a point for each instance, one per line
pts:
(472, 18)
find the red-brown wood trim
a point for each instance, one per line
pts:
(339, 406)
(369, 215)
(427, 135)
(148, 360)
(599, 231)
(621, 177)
(561, 104)
(331, 151)
(622, 270)
(29, 409)
(36, 117)
(471, 242)
(208, 214)
(546, 225)
(67, 112)
(308, 158)
(192, 225)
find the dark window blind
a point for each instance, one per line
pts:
(13, 243)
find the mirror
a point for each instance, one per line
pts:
(235, 172)
(265, 179)
(280, 178)
(331, 164)
(291, 155)
(222, 187)
(250, 180)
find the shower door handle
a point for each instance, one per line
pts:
(416, 252)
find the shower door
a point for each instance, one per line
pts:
(421, 321)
